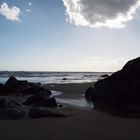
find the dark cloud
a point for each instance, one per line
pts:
(97, 13)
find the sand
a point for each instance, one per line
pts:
(82, 124)
(72, 90)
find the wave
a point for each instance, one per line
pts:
(52, 77)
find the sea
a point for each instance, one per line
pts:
(53, 77)
(57, 77)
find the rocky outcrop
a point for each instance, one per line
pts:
(2, 88)
(11, 113)
(64, 79)
(3, 103)
(14, 113)
(88, 94)
(39, 100)
(120, 91)
(14, 86)
(104, 76)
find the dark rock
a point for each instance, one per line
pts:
(60, 105)
(120, 89)
(51, 102)
(3, 103)
(19, 87)
(14, 104)
(38, 100)
(45, 93)
(34, 90)
(40, 113)
(2, 88)
(104, 76)
(15, 113)
(35, 84)
(64, 79)
(14, 85)
(88, 93)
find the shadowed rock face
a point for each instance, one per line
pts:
(118, 90)
(14, 86)
(2, 103)
(39, 100)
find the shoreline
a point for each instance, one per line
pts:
(81, 124)
(70, 90)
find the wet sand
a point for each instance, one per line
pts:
(82, 124)
(72, 90)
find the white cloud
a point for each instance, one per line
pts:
(97, 13)
(28, 10)
(10, 13)
(30, 3)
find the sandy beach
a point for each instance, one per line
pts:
(81, 124)
(69, 70)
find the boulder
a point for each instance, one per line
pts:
(104, 76)
(13, 104)
(2, 89)
(64, 79)
(88, 94)
(3, 103)
(45, 93)
(118, 90)
(39, 100)
(14, 113)
(33, 90)
(8, 113)
(14, 86)
(40, 113)
(22, 87)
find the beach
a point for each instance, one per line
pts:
(82, 123)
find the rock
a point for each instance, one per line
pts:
(64, 79)
(118, 90)
(2, 89)
(60, 105)
(14, 113)
(14, 104)
(104, 76)
(88, 94)
(45, 93)
(11, 113)
(3, 103)
(51, 102)
(40, 113)
(14, 86)
(22, 87)
(35, 84)
(34, 90)
(38, 100)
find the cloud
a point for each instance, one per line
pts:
(29, 3)
(28, 10)
(10, 13)
(97, 13)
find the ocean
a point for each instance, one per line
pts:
(53, 77)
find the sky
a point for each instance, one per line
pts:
(68, 35)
